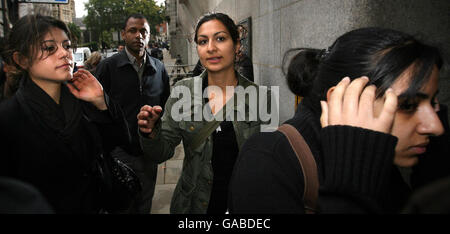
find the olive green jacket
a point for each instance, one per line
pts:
(193, 190)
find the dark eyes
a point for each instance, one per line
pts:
(50, 47)
(67, 46)
(134, 30)
(203, 41)
(408, 106)
(411, 105)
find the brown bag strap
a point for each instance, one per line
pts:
(308, 164)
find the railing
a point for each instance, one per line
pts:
(179, 72)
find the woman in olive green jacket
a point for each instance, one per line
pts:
(213, 114)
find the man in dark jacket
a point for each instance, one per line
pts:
(134, 79)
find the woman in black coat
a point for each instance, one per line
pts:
(57, 123)
(367, 138)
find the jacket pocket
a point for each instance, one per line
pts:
(182, 197)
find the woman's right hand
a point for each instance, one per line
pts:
(147, 118)
(353, 104)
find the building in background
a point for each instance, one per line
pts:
(12, 10)
(182, 18)
(62, 11)
(3, 21)
(162, 32)
(8, 15)
(85, 34)
(277, 26)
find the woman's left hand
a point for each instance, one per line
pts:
(352, 104)
(86, 87)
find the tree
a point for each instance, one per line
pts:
(104, 15)
(153, 13)
(75, 31)
(109, 15)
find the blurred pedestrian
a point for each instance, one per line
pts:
(156, 52)
(92, 62)
(120, 48)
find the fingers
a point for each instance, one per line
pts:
(143, 120)
(387, 115)
(352, 95)
(73, 90)
(79, 75)
(147, 117)
(144, 126)
(366, 102)
(82, 72)
(156, 110)
(143, 114)
(324, 115)
(335, 101)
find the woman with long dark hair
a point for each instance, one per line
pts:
(57, 123)
(210, 146)
(366, 131)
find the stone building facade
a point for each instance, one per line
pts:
(63, 12)
(277, 25)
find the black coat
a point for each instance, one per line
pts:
(267, 177)
(121, 82)
(60, 168)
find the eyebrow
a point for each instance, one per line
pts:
(55, 41)
(215, 34)
(419, 95)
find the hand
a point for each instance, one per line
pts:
(86, 87)
(147, 118)
(353, 104)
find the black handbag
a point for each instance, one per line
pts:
(119, 184)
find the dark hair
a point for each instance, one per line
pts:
(27, 34)
(380, 54)
(135, 16)
(301, 70)
(225, 19)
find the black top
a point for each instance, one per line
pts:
(17, 197)
(225, 152)
(356, 173)
(53, 147)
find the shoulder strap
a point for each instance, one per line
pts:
(308, 164)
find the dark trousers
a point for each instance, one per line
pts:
(146, 171)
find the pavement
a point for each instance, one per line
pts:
(168, 172)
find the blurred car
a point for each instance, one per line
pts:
(81, 55)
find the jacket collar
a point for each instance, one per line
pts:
(123, 60)
(198, 102)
